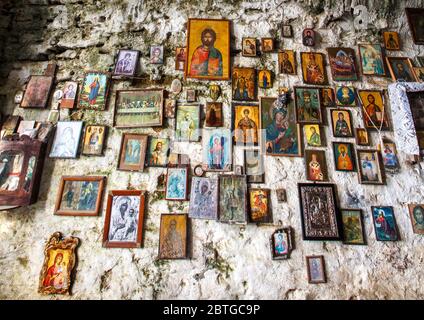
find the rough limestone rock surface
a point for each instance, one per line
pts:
(227, 261)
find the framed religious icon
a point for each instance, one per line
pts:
(374, 111)
(416, 24)
(246, 123)
(214, 115)
(217, 150)
(132, 153)
(66, 140)
(313, 68)
(267, 45)
(265, 79)
(94, 91)
(328, 98)
(281, 195)
(208, 49)
(370, 167)
(287, 62)
(390, 156)
(254, 166)
(214, 92)
(416, 213)
(362, 137)
(187, 123)
(316, 165)
(232, 203)
(282, 244)
(391, 40)
(70, 91)
(287, 31)
(313, 135)
(249, 47)
(176, 184)
(126, 63)
(308, 37)
(308, 105)
(180, 58)
(191, 95)
(79, 196)
(343, 64)
(260, 206)
(204, 198)
(157, 152)
(243, 84)
(372, 60)
(283, 134)
(345, 96)
(416, 105)
(37, 92)
(124, 219)
(419, 74)
(173, 236)
(344, 156)
(341, 120)
(321, 219)
(170, 105)
(57, 273)
(94, 140)
(401, 69)
(385, 224)
(353, 227)
(316, 269)
(138, 108)
(156, 54)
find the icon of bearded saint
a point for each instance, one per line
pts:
(206, 59)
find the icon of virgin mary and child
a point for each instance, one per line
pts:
(280, 137)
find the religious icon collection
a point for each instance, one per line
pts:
(264, 126)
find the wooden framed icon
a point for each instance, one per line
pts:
(316, 165)
(176, 188)
(316, 269)
(173, 236)
(249, 48)
(370, 167)
(341, 121)
(132, 153)
(353, 227)
(344, 156)
(94, 139)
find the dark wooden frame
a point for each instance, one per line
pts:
(283, 34)
(361, 221)
(398, 238)
(408, 62)
(313, 35)
(190, 92)
(352, 152)
(233, 125)
(195, 105)
(95, 212)
(254, 179)
(176, 60)
(355, 76)
(335, 208)
(380, 166)
(324, 170)
(255, 84)
(105, 132)
(137, 57)
(140, 167)
(57, 242)
(242, 47)
(290, 243)
(187, 233)
(263, 45)
(332, 112)
(383, 60)
(186, 183)
(364, 115)
(408, 12)
(49, 91)
(299, 133)
(210, 103)
(124, 244)
(199, 167)
(246, 202)
(152, 48)
(118, 92)
(337, 101)
(295, 88)
(149, 142)
(294, 62)
(357, 137)
(308, 268)
(324, 70)
(223, 78)
(268, 218)
(107, 89)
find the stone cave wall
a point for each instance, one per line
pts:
(227, 261)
